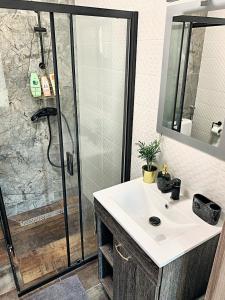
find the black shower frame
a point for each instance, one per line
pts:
(192, 22)
(132, 18)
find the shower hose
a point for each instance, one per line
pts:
(50, 139)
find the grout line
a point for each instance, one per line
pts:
(93, 287)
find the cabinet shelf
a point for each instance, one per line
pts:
(107, 283)
(107, 251)
(105, 246)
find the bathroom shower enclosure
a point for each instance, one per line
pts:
(47, 215)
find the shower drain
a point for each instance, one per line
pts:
(41, 217)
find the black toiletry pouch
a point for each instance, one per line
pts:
(206, 209)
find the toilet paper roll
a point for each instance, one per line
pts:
(186, 126)
(216, 130)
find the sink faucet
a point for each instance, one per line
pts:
(167, 186)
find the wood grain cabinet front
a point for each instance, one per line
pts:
(124, 277)
(129, 280)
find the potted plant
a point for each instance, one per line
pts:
(149, 153)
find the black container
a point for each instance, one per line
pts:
(206, 209)
(175, 195)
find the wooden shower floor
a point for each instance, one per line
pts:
(40, 247)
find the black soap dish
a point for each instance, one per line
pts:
(206, 209)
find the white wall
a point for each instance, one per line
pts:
(199, 172)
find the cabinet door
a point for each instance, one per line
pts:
(124, 271)
(130, 282)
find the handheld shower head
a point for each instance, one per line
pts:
(52, 111)
(44, 112)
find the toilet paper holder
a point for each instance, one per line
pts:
(219, 123)
(217, 128)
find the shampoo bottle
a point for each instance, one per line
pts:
(35, 85)
(45, 86)
(52, 80)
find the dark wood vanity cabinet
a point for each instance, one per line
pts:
(127, 273)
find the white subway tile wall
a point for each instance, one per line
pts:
(101, 64)
(199, 172)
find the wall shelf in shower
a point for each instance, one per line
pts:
(45, 98)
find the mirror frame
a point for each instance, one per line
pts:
(177, 9)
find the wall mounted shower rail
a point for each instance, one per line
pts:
(40, 31)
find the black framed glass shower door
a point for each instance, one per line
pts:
(33, 206)
(92, 52)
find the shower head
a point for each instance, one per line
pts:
(44, 112)
(52, 111)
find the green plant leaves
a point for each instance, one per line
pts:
(149, 152)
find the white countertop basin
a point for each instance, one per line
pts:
(134, 202)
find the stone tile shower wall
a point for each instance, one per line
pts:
(26, 178)
(198, 171)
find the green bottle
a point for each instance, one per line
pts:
(35, 85)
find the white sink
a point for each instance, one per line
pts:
(134, 202)
(140, 201)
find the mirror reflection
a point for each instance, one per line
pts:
(195, 90)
